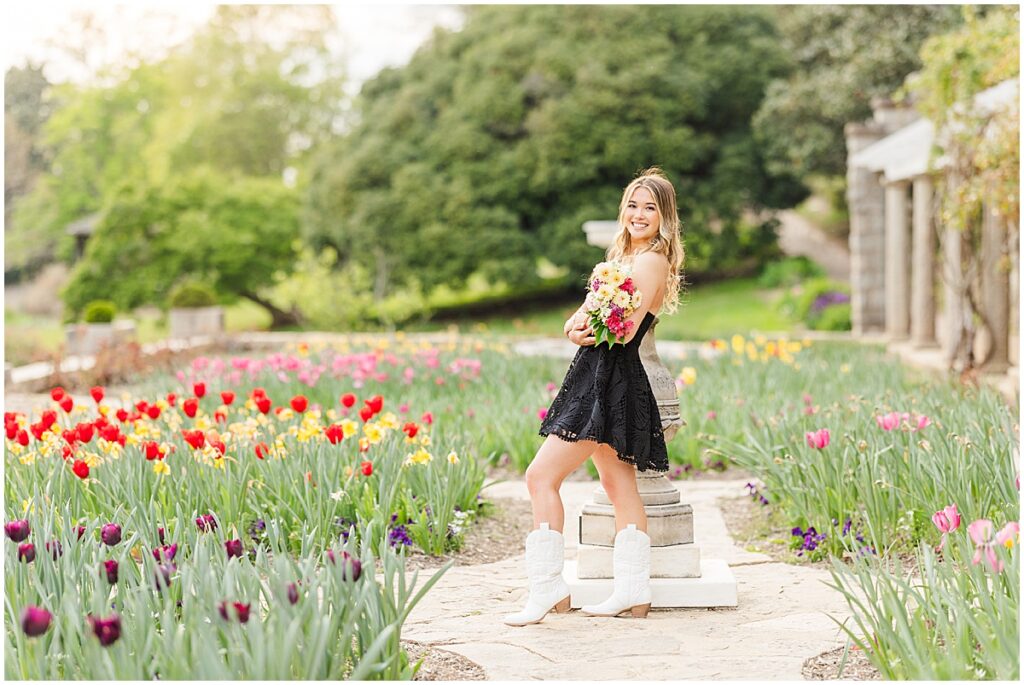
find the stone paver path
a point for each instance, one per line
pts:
(780, 621)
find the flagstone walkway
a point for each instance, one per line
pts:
(781, 619)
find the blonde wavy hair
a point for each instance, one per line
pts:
(667, 242)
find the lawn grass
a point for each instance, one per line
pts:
(705, 311)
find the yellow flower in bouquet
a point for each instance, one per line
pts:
(612, 298)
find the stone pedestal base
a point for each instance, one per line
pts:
(716, 587)
(672, 561)
(668, 524)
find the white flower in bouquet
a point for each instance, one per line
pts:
(611, 299)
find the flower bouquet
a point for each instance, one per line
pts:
(612, 298)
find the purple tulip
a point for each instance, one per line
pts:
(293, 593)
(163, 575)
(55, 548)
(108, 630)
(110, 533)
(35, 621)
(160, 534)
(17, 530)
(80, 530)
(110, 566)
(233, 548)
(206, 522)
(26, 552)
(348, 561)
(165, 553)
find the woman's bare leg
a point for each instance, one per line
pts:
(555, 460)
(619, 480)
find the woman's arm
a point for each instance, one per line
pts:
(574, 321)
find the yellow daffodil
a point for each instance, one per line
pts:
(373, 433)
(161, 467)
(349, 428)
(364, 444)
(737, 343)
(285, 415)
(388, 420)
(453, 458)
(425, 440)
(844, 368)
(688, 375)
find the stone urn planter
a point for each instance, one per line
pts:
(191, 322)
(88, 338)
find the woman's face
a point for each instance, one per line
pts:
(642, 219)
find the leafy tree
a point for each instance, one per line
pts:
(496, 142)
(248, 94)
(234, 234)
(843, 55)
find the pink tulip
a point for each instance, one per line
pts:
(981, 533)
(818, 439)
(712, 415)
(888, 422)
(808, 399)
(551, 387)
(946, 520)
(542, 413)
(923, 421)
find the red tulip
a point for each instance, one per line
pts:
(48, 418)
(110, 433)
(171, 398)
(57, 394)
(97, 393)
(67, 403)
(376, 403)
(241, 611)
(410, 429)
(262, 450)
(427, 418)
(367, 467)
(121, 415)
(190, 407)
(81, 469)
(84, 432)
(22, 437)
(218, 445)
(366, 414)
(195, 438)
(334, 433)
(299, 403)
(152, 450)
(263, 404)
(348, 399)
(227, 397)
(199, 389)
(258, 392)
(153, 412)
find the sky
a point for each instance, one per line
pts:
(373, 36)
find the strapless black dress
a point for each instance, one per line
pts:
(606, 397)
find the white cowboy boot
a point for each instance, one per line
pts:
(631, 561)
(545, 556)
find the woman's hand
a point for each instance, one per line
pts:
(582, 335)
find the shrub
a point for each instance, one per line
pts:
(191, 294)
(99, 311)
(835, 317)
(789, 271)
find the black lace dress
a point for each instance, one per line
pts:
(606, 397)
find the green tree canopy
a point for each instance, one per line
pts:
(250, 93)
(843, 56)
(234, 234)
(495, 143)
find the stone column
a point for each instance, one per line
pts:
(922, 289)
(897, 282)
(1013, 353)
(866, 200)
(995, 287)
(952, 290)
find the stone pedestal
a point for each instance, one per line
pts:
(714, 587)
(89, 338)
(191, 322)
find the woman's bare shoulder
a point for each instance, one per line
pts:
(652, 261)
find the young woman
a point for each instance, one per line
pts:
(606, 411)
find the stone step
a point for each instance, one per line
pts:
(670, 524)
(672, 561)
(716, 587)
